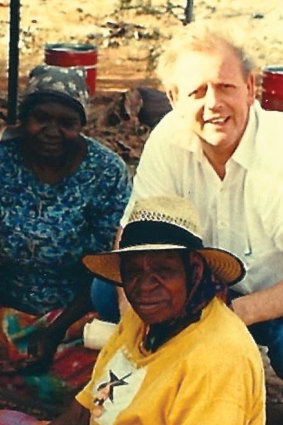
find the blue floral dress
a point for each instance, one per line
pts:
(46, 229)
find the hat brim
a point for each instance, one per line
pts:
(225, 266)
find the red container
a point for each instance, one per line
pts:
(74, 55)
(272, 88)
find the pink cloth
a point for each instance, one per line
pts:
(12, 417)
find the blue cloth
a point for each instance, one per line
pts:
(105, 301)
(270, 335)
(46, 229)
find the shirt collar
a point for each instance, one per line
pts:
(244, 154)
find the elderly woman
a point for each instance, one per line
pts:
(61, 197)
(179, 355)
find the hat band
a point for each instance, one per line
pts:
(152, 232)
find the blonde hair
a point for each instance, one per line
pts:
(203, 36)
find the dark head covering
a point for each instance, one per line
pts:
(65, 85)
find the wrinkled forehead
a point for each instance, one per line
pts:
(210, 64)
(195, 68)
(165, 255)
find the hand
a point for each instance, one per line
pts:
(42, 347)
(75, 414)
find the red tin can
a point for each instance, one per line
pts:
(272, 88)
(74, 55)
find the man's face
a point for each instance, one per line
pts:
(155, 284)
(213, 96)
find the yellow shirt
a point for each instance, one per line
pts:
(211, 373)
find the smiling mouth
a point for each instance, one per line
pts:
(51, 145)
(217, 121)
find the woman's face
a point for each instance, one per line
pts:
(51, 128)
(155, 284)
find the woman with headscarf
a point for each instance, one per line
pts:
(179, 356)
(61, 197)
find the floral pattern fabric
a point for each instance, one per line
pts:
(46, 229)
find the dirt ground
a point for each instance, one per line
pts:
(130, 35)
(128, 52)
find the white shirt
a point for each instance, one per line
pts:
(243, 213)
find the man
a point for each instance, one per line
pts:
(219, 149)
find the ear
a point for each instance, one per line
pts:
(251, 88)
(197, 264)
(172, 95)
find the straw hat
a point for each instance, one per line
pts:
(160, 223)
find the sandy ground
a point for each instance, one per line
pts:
(131, 57)
(129, 42)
